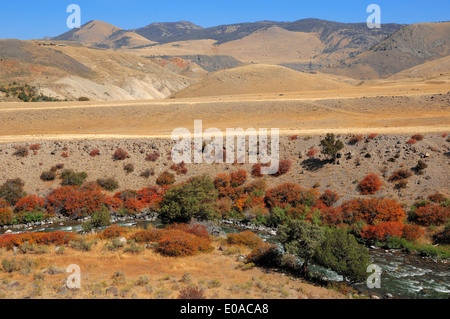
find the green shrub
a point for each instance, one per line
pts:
(71, 178)
(100, 218)
(194, 199)
(12, 191)
(109, 184)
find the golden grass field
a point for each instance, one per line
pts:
(218, 273)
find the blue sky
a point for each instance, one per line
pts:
(31, 19)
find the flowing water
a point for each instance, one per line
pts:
(403, 275)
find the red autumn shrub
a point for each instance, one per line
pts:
(411, 141)
(165, 179)
(372, 136)
(64, 154)
(284, 167)
(152, 157)
(332, 216)
(290, 194)
(120, 155)
(382, 231)
(372, 210)
(113, 231)
(437, 198)
(6, 216)
(179, 168)
(35, 147)
(75, 201)
(176, 243)
(3, 203)
(30, 203)
(312, 152)
(197, 230)
(58, 238)
(329, 198)
(293, 137)
(370, 185)
(95, 152)
(399, 175)
(150, 196)
(265, 255)
(146, 236)
(132, 205)
(431, 214)
(256, 170)
(417, 137)
(21, 152)
(245, 238)
(412, 232)
(355, 139)
(191, 293)
(238, 178)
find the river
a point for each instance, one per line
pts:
(403, 275)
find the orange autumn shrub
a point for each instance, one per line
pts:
(431, 214)
(370, 185)
(3, 203)
(329, 198)
(30, 203)
(372, 211)
(197, 230)
(113, 231)
(245, 238)
(165, 179)
(6, 216)
(312, 152)
(132, 205)
(177, 243)
(129, 201)
(150, 196)
(283, 195)
(146, 236)
(412, 232)
(332, 216)
(290, 194)
(75, 201)
(238, 178)
(58, 238)
(382, 231)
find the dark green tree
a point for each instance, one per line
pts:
(301, 238)
(341, 252)
(331, 146)
(194, 199)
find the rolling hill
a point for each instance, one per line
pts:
(258, 79)
(70, 71)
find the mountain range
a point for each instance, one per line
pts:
(105, 62)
